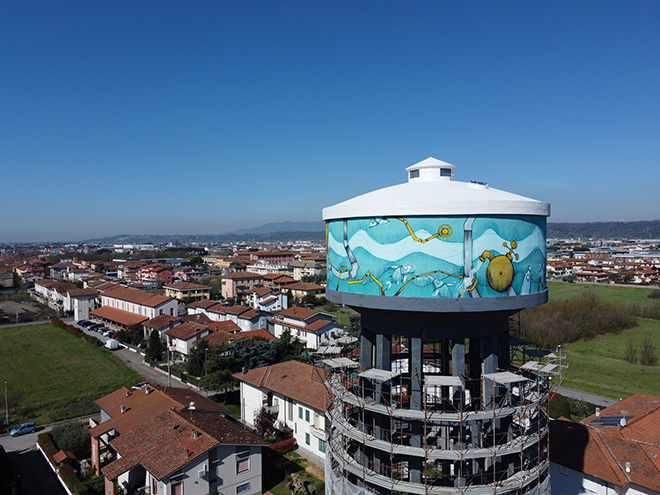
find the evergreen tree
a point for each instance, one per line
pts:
(196, 361)
(155, 347)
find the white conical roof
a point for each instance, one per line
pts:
(432, 190)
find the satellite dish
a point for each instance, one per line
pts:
(622, 423)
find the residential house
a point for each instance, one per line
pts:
(186, 291)
(161, 324)
(266, 299)
(312, 327)
(54, 294)
(201, 306)
(171, 441)
(82, 302)
(296, 393)
(278, 280)
(182, 338)
(154, 272)
(118, 318)
(235, 285)
(615, 451)
(139, 302)
(301, 289)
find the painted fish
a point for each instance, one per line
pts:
(378, 221)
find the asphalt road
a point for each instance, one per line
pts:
(36, 476)
(598, 400)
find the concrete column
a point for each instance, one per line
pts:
(384, 352)
(503, 350)
(489, 365)
(416, 368)
(367, 338)
(458, 357)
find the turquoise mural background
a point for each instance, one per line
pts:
(425, 256)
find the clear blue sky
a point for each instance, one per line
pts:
(202, 117)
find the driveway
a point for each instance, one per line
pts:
(36, 475)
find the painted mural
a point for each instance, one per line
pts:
(449, 257)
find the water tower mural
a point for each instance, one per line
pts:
(435, 267)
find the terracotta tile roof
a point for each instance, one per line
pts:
(224, 430)
(298, 313)
(161, 321)
(83, 292)
(603, 451)
(221, 337)
(224, 326)
(250, 314)
(186, 330)
(236, 310)
(137, 296)
(299, 381)
(205, 304)
(118, 316)
(139, 407)
(186, 286)
(242, 275)
(184, 396)
(261, 291)
(200, 318)
(162, 444)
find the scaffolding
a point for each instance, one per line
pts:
(392, 432)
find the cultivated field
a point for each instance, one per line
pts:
(623, 295)
(598, 365)
(52, 375)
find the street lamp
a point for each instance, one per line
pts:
(6, 406)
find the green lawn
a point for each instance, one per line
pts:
(52, 375)
(623, 295)
(598, 365)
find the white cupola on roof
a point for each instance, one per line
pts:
(431, 169)
(432, 190)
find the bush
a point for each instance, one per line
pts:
(559, 406)
(581, 318)
(647, 355)
(284, 446)
(630, 353)
(73, 437)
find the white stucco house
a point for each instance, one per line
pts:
(311, 327)
(295, 391)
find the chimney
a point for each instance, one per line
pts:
(244, 370)
(128, 394)
(627, 467)
(598, 412)
(191, 406)
(147, 390)
(123, 409)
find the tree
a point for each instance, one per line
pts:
(289, 348)
(254, 353)
(647, 355)
(155, 347)
(73, 437)
(630, 354)
(264, 422)
(196, 361)
(354, 324)
(195, 260)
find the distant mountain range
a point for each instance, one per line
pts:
(605, 230)
(271, 228)
(315, 232)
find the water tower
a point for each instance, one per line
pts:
(435, 267)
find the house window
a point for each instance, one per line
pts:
(414, 174)
(244, 488)
(307, 415)
(300, 412)
(289, 412)
(321, 445)
(307, 439)
(242, 461)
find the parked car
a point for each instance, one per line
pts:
(23, 429)
(139, 385)
(95, 326)
(84, 323)
(111, 344)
